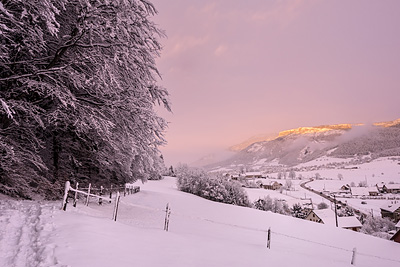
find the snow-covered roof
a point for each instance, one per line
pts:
(392, 186)
(326, 215)
(398, 224)
(363, 191)
(391, 207)
(252, 173)
(349, 221)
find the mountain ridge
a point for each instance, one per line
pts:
(303, 144)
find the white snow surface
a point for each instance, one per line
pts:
(201, 233)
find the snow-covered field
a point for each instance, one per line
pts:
(202, 233)
(377, 171)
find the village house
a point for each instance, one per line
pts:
(396, 237)
(253, 175)
(391, 188)
(327, 216)
(380, 187)
(364, 191)
(350, 222)
(272, 185)
(397, 226)
(345, 187)
(392, 212)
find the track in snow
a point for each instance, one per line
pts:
(25, 228)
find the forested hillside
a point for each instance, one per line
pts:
(78, 86)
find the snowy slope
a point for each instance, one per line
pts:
(202, 233)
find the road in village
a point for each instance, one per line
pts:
(331, 199)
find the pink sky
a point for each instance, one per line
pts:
(237, 68)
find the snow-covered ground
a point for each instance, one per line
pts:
(202, 233)
(377, 171)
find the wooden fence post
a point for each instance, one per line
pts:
(117, 197)
(100, 194)
(269, 238)
(167, 215)
(76, 195)
(353, 257)
(64, 203)
(87, 198)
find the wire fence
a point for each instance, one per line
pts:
(169, 212)
(260, 230)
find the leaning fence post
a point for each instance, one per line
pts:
(88, 193)
(117, 197)
(64, 203)
(269, 238)
(76, 195)
(353, 257)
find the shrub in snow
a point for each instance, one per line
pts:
(215, 188)
(322, 206)
(346, 211)
(377, 226)
(362, 184)
(250, 184)
(275, 205)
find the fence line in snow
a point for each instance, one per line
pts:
(127, 189)
(268, 232)
(133, 189)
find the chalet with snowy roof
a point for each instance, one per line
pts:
(350, 222)
(392, 212)
(391, 188)
(396, 237)
(364, 191)
(345, 187)
(253, 175)
(380, 187)
(327, 216)
(272, 185)
(397, 226)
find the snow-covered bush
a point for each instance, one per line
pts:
(377, 226)
(275, 205)
(322, 206)
(346, 211)
(215, 188)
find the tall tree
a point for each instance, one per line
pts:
(78, 88)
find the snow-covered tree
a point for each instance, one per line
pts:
(298, 211)
(377, 226)
(288, 184)
(275, 205)
(215, 188)
(78, 86)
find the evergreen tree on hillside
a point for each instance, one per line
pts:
(77, 92)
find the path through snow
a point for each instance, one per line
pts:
(25, 228)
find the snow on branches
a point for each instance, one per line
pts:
(78, 79)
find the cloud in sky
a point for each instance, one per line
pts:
(240, 68)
